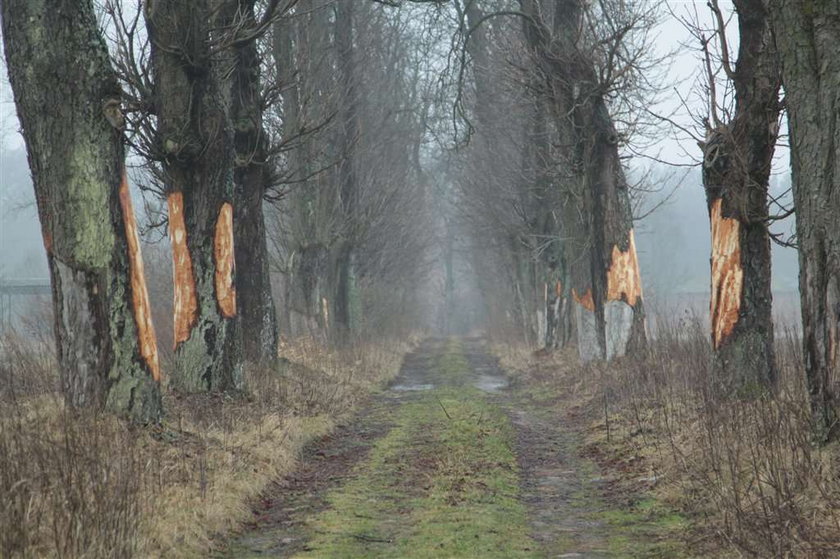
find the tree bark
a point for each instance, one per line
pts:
(737, 161)
(615, 264)
(527, 295)
(195, 140)
(347, 302)
(598, 223)
(807, 34)
(300, 48)
(251, 175)
(68, 101)
(549, 229)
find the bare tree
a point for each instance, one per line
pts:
(806, 38)
(309, 210)
(353, 114)
(737, 160)
(585, 57)
(347, 303)
(69, 103)
(252, 179)
(501, 195)
(194, 140)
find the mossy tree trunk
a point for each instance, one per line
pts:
(251, 178)
(68, 101)
(807, 35)
(738, 157)
(195, 141)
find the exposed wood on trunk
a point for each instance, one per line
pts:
(586, 301)
(185, 306)
(624, 295)
(139, 292)
(727, 274)
(191, 66)
(597, 213)
(325, 312)
(737, 159)
(223, 255)
(624, 282)
(68, 101)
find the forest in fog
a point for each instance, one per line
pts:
(228, 199)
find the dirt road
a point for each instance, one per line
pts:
(450, 461)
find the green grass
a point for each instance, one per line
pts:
(442, 483)
(647, 529)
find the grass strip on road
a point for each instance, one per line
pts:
(443, 482)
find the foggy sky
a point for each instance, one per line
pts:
(673, 242)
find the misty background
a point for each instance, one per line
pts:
(673, 235)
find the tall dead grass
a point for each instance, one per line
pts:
(79, 484)
(745, 470)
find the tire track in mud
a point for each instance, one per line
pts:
(558, 490)
(279, 517)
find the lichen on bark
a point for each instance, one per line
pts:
(77, 157)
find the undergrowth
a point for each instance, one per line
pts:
(745, 471)
(80, 484)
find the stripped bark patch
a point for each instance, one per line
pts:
(558, 289)
(586, 301)
(224, 260)
(325, 311)
(727, 273)
(139, 292)
(47, 236)
(624, 281)
(186, 304)
(832, 305)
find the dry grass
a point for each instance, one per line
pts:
(744, 470)
(85, 485)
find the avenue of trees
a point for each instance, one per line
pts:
(318, 164)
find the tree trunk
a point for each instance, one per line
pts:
(310, 308)
(477, 48)
(300, 48)
(547, 209)
(575, 198)
(598, 224)
(251, 175)
(449, 302)
(282, 53)
(196, 143)
(528, 295)
(68, 101)
(347, 302)
(738, 157)
(618, 299)
(807, 34)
